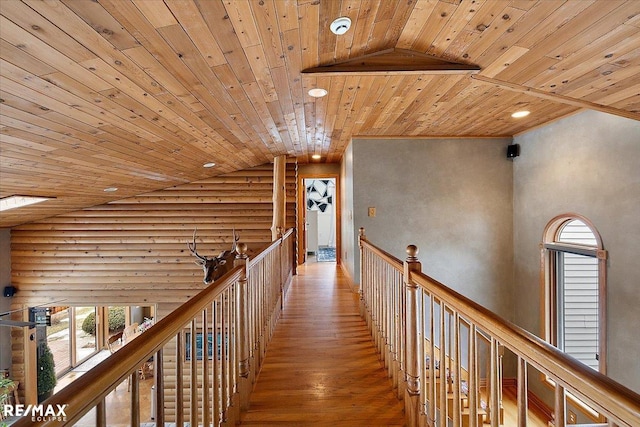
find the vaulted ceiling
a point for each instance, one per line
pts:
(139, 94)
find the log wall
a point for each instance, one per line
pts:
(134, 251)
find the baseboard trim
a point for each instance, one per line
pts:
(354, 288)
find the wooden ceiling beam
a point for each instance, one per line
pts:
(556, 97)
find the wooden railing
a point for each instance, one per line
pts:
(444, 352)
(235, 317)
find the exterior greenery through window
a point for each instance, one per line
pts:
(574, 271)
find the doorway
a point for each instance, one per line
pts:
(319, 240)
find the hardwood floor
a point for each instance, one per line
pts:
(321, 367)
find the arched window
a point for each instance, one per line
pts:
(574, 264)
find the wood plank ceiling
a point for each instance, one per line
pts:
(139, 94)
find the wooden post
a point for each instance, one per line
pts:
(205, 370)
(279, 195)
(560, 412)
(413, 339)
(179, 379)
(244, 368)
(135, 399)
(159, 396)
(361, 236)
(101, 413)
(194, 375)
(522, 392)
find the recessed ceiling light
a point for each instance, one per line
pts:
(12, 202)
(110, 189)
(340, 25)
(316, 156)
(317, 92)
(520, 114)
(208, 165)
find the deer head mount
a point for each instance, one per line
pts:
(215, 267)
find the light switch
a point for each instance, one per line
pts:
(372, 212)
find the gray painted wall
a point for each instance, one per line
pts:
(589, 164)
(451, 197)
(5, 280)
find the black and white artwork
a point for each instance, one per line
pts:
(319, 194)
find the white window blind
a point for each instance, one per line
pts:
(578, 296)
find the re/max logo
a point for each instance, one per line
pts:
(37, 412)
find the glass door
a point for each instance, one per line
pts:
(59, 338)
(86, 333)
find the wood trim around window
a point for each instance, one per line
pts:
(548, 289)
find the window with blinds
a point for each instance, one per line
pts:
(576, 295)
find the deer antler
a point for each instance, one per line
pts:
(192, 248)
(234, 245)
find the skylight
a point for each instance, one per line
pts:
(13, 202)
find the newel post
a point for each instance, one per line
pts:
(361, 237)
(243, 326)
(413, 338)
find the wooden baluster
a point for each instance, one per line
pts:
(424, 372)
(473, 376)
(179, 379)
(223, 352)
(101, 414)
(396, 329)
(456, 371)
(384, 305)
(500, 379)
(194, 376)
(494, 395)
(522, 392)
(413, 336)
(159, 395)
(135, 399)
(560, 406)
(205, 369)
(433, 375)
(217, 351)
(443, 365)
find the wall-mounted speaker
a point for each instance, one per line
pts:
(9, 291)
(513, 151)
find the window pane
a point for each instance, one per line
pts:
(577, 232)
(86, 333)
(58, 338)
(579, 308)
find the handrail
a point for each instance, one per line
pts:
(83, 394)
(618, 403)
(269, 248)
(90, 389)
(605, 394)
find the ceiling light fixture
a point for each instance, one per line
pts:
(520, 114)
(110, 189)
(208, 165)
(340, 25)
(316, 157)
(13, 202)
(317, 92)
